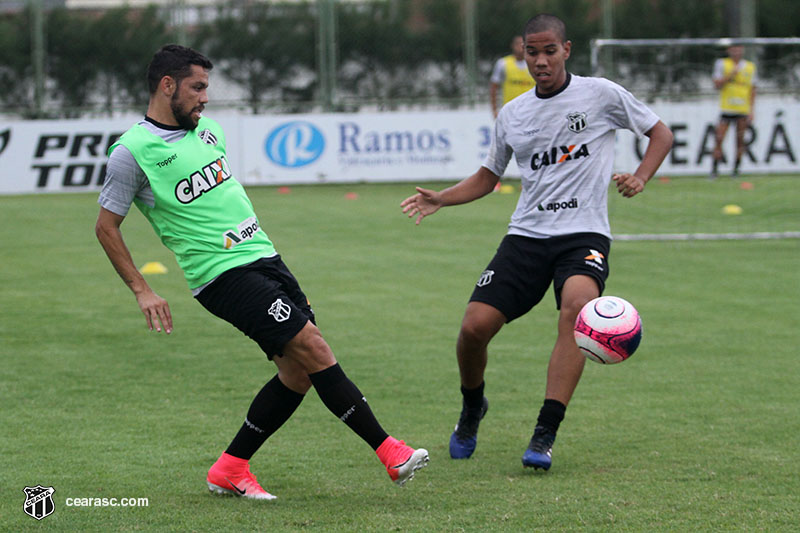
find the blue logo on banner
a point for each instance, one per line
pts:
(295, 144)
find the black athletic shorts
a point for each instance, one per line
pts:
(263, 300)
(520, 273)
(732, 117)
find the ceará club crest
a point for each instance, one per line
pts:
(577, 121)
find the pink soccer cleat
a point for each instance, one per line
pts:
(231, 475)
(401, 461)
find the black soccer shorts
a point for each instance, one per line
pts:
(521, 271)
(732, 117)
(263, 300)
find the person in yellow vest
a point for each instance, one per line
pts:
(511, 75)
(735, 78)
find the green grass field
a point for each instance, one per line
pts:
(697, 432)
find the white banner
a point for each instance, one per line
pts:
(773, 140)
(70, 155)
(363, 147)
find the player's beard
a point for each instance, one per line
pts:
(183, 118)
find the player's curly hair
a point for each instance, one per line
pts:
(175, 61)
(547, 22)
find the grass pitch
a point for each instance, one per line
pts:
(698, 431)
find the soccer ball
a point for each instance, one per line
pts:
(608, 330)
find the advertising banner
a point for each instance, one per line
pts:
(772, 140)
(364, 147)
(70, 155)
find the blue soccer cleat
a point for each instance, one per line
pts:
(465, 437)
(540, 450)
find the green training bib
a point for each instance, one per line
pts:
(201, 212)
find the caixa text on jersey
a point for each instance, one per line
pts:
(558, 154)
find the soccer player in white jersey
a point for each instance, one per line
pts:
(562, 137)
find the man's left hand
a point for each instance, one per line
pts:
(629, 185)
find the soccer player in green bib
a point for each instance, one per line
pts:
(173, 166)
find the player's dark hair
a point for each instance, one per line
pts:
(175, 61)
(547, 22)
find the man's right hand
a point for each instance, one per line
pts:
(156, 311)
(425, 202)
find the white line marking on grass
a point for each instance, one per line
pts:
(709, 236)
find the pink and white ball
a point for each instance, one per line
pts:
(608, 330)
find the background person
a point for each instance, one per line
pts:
(510, 76)
(562, 137)
(173, 166)
(735, 78)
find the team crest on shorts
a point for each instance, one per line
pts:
(486, 278)
(279, 310)
(38, 501)
(577, 121)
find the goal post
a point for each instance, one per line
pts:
(674, 76)
(681, 68)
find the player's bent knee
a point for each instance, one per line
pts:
(478, 331)
(310, 350)
(293, 374)
(298, 381)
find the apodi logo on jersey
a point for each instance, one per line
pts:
(556, 206)
(243, 232)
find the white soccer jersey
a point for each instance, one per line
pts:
(564, 146)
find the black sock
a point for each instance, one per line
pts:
(473, 398)
(736, 165)
(714, 166)
(551, 415)
(343, 399)
(271, 407)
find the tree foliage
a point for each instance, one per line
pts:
(388, 51)
(16, 69)
(378, 52)
(267, 49)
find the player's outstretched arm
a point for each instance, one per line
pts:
(155, 308)
(427, 202)
(661, 137)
